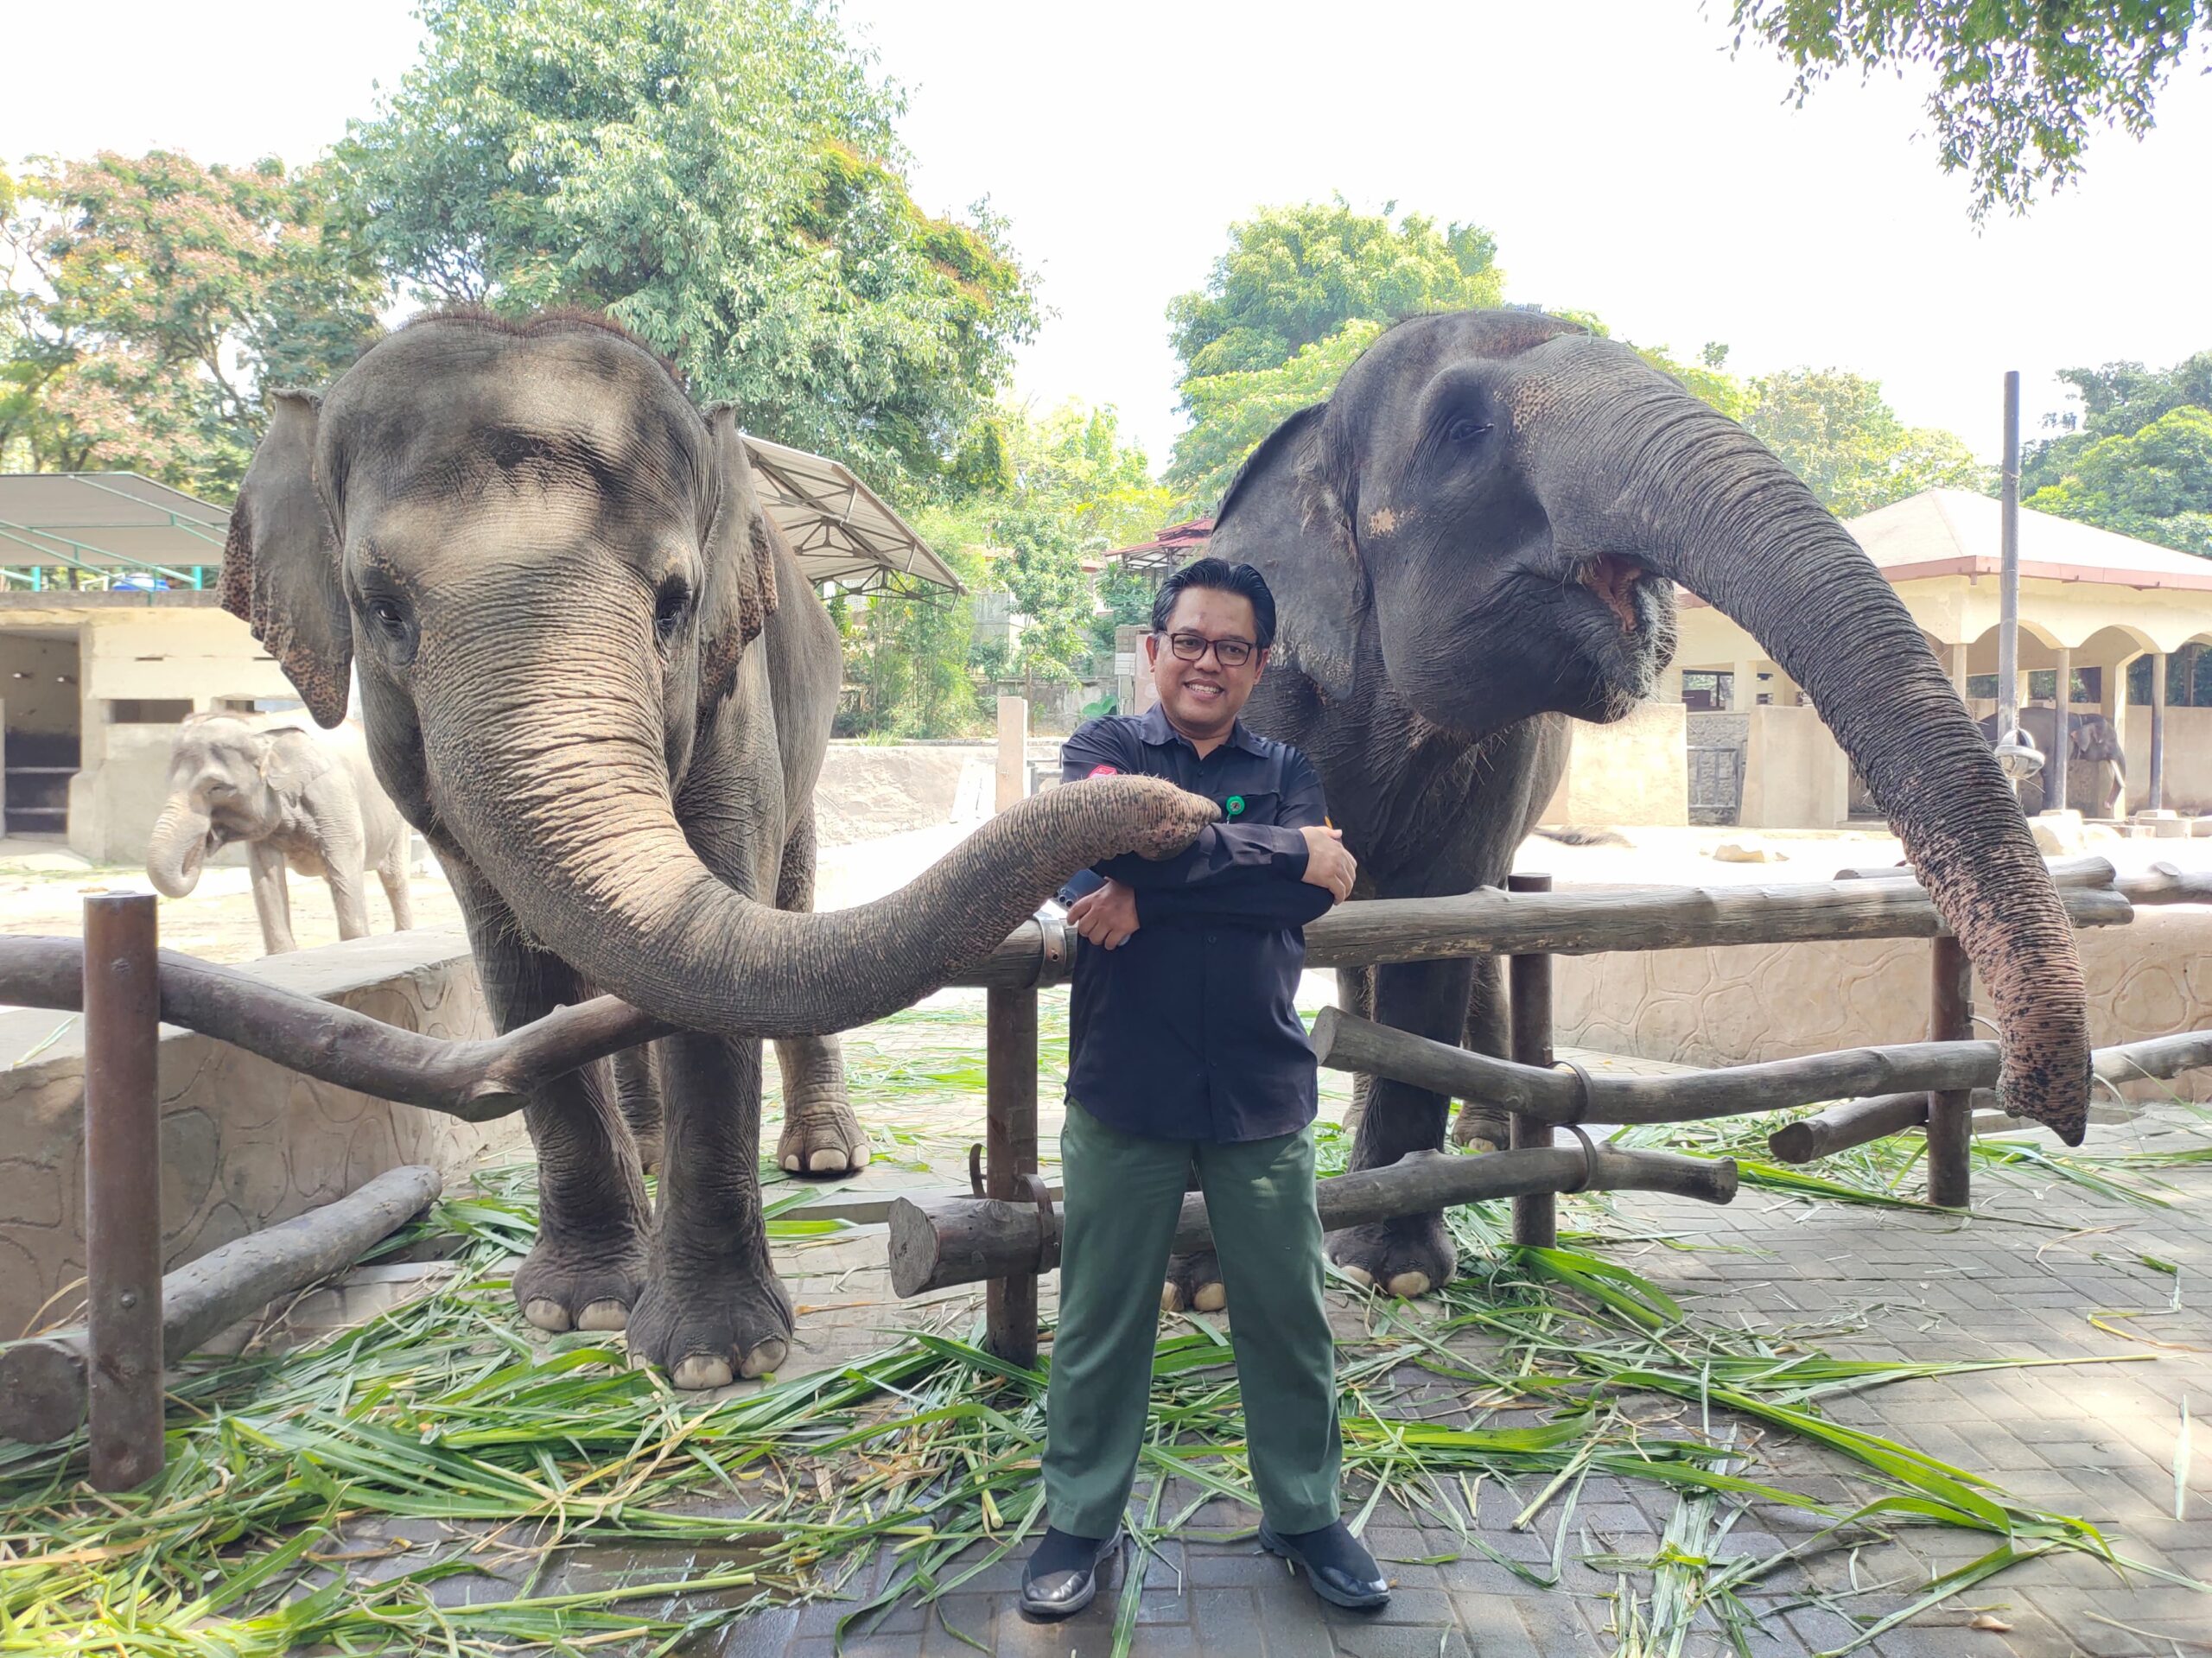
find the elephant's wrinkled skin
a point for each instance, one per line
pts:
(2093, 745)
(593, 677)
(1475, 537)
(295, 796)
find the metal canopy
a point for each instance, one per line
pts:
(838, 528)
(110, 524)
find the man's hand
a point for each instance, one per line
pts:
(1327, 863)
(1106, 918)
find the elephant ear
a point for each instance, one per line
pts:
(1293, 511)
(291, 760)
(280, 564)
(740, 558)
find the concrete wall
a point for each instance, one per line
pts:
(2188, 760)
(1752, 1002)
(243, 1141)
(871, 789)
(1795, 774)
(1634, 771)
(39, 679)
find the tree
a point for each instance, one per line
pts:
(1300, 292)
(1835, 430)
(2155, 484)
(149, 301)
(2020, 86)
(723, 177)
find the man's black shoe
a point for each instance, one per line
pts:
(1340, 1570)
(1062, 1573)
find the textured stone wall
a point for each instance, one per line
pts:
(243, 1141)
(1752, 1002)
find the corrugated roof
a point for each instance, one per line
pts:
(107, 521)
(838, 528)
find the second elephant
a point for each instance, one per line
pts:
(298, 797)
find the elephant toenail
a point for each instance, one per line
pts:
(1409, 1283)
(701, 1371)
(769, 1356)
(1170, 1298)
(1358, 1275)
(547, 1314)
(859, 1158)
(828, 1160)
(604, 1315)
(1478, 1147)
(1210, 1297)
(791, 1162)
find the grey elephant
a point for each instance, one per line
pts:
(594, 679)
(2093, 744)
(1474, 539)
(298, 797)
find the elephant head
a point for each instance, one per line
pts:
(226, 783)
(1484, 523)
(551, 572)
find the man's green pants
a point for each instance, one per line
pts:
(1123, 1193)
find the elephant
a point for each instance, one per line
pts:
(593, 677)
(295, 796)
(2091, 741)
(1474, 539)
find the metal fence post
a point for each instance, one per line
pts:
(1528, 979)
(1950, 1116)
(1010, 1151)
(122, 1189)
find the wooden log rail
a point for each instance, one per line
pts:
(1345, 1042)
(938, 1241)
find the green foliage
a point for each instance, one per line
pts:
(148, 301)
(1836, 431)
(723, 177)
(1124, 600)
(2155, 484)
(2019, 87)
(2138, 461)
(1300, 292)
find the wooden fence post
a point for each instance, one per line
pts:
(1536, 1218)
(122, 1189)
(1950, 1116)
(1010, 1151)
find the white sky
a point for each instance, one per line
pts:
(1626, 165)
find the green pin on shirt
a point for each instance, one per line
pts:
(1233, 805)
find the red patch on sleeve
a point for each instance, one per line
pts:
(1104, 771)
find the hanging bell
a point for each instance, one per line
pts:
(2017, 757)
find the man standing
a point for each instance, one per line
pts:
(1186, 1048)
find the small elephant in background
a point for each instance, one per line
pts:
(296, 795)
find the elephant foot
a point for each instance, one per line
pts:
(1193, 1282)
(1480, 1129)
(822, 1138)
(1408, 1256)
(569, 1282)
(707, 1331)
(649, 1150)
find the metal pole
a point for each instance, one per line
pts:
(1528, 979)
(1009, 1152)
(1950, 1116)
(122, 1189)
(2008, 581)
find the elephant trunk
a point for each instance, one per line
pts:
(565, 805)
(1697, 498)
(178, 849)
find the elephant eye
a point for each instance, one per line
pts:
(670, 606)
(388, 617)
(1465, 429)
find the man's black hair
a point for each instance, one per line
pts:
(1223, 577)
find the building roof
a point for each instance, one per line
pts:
(1175, 545)
(112, 522)
(1956, 532)
(838, 528)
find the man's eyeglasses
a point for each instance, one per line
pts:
(1192, 647)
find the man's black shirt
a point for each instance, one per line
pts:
(1190, 1031)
